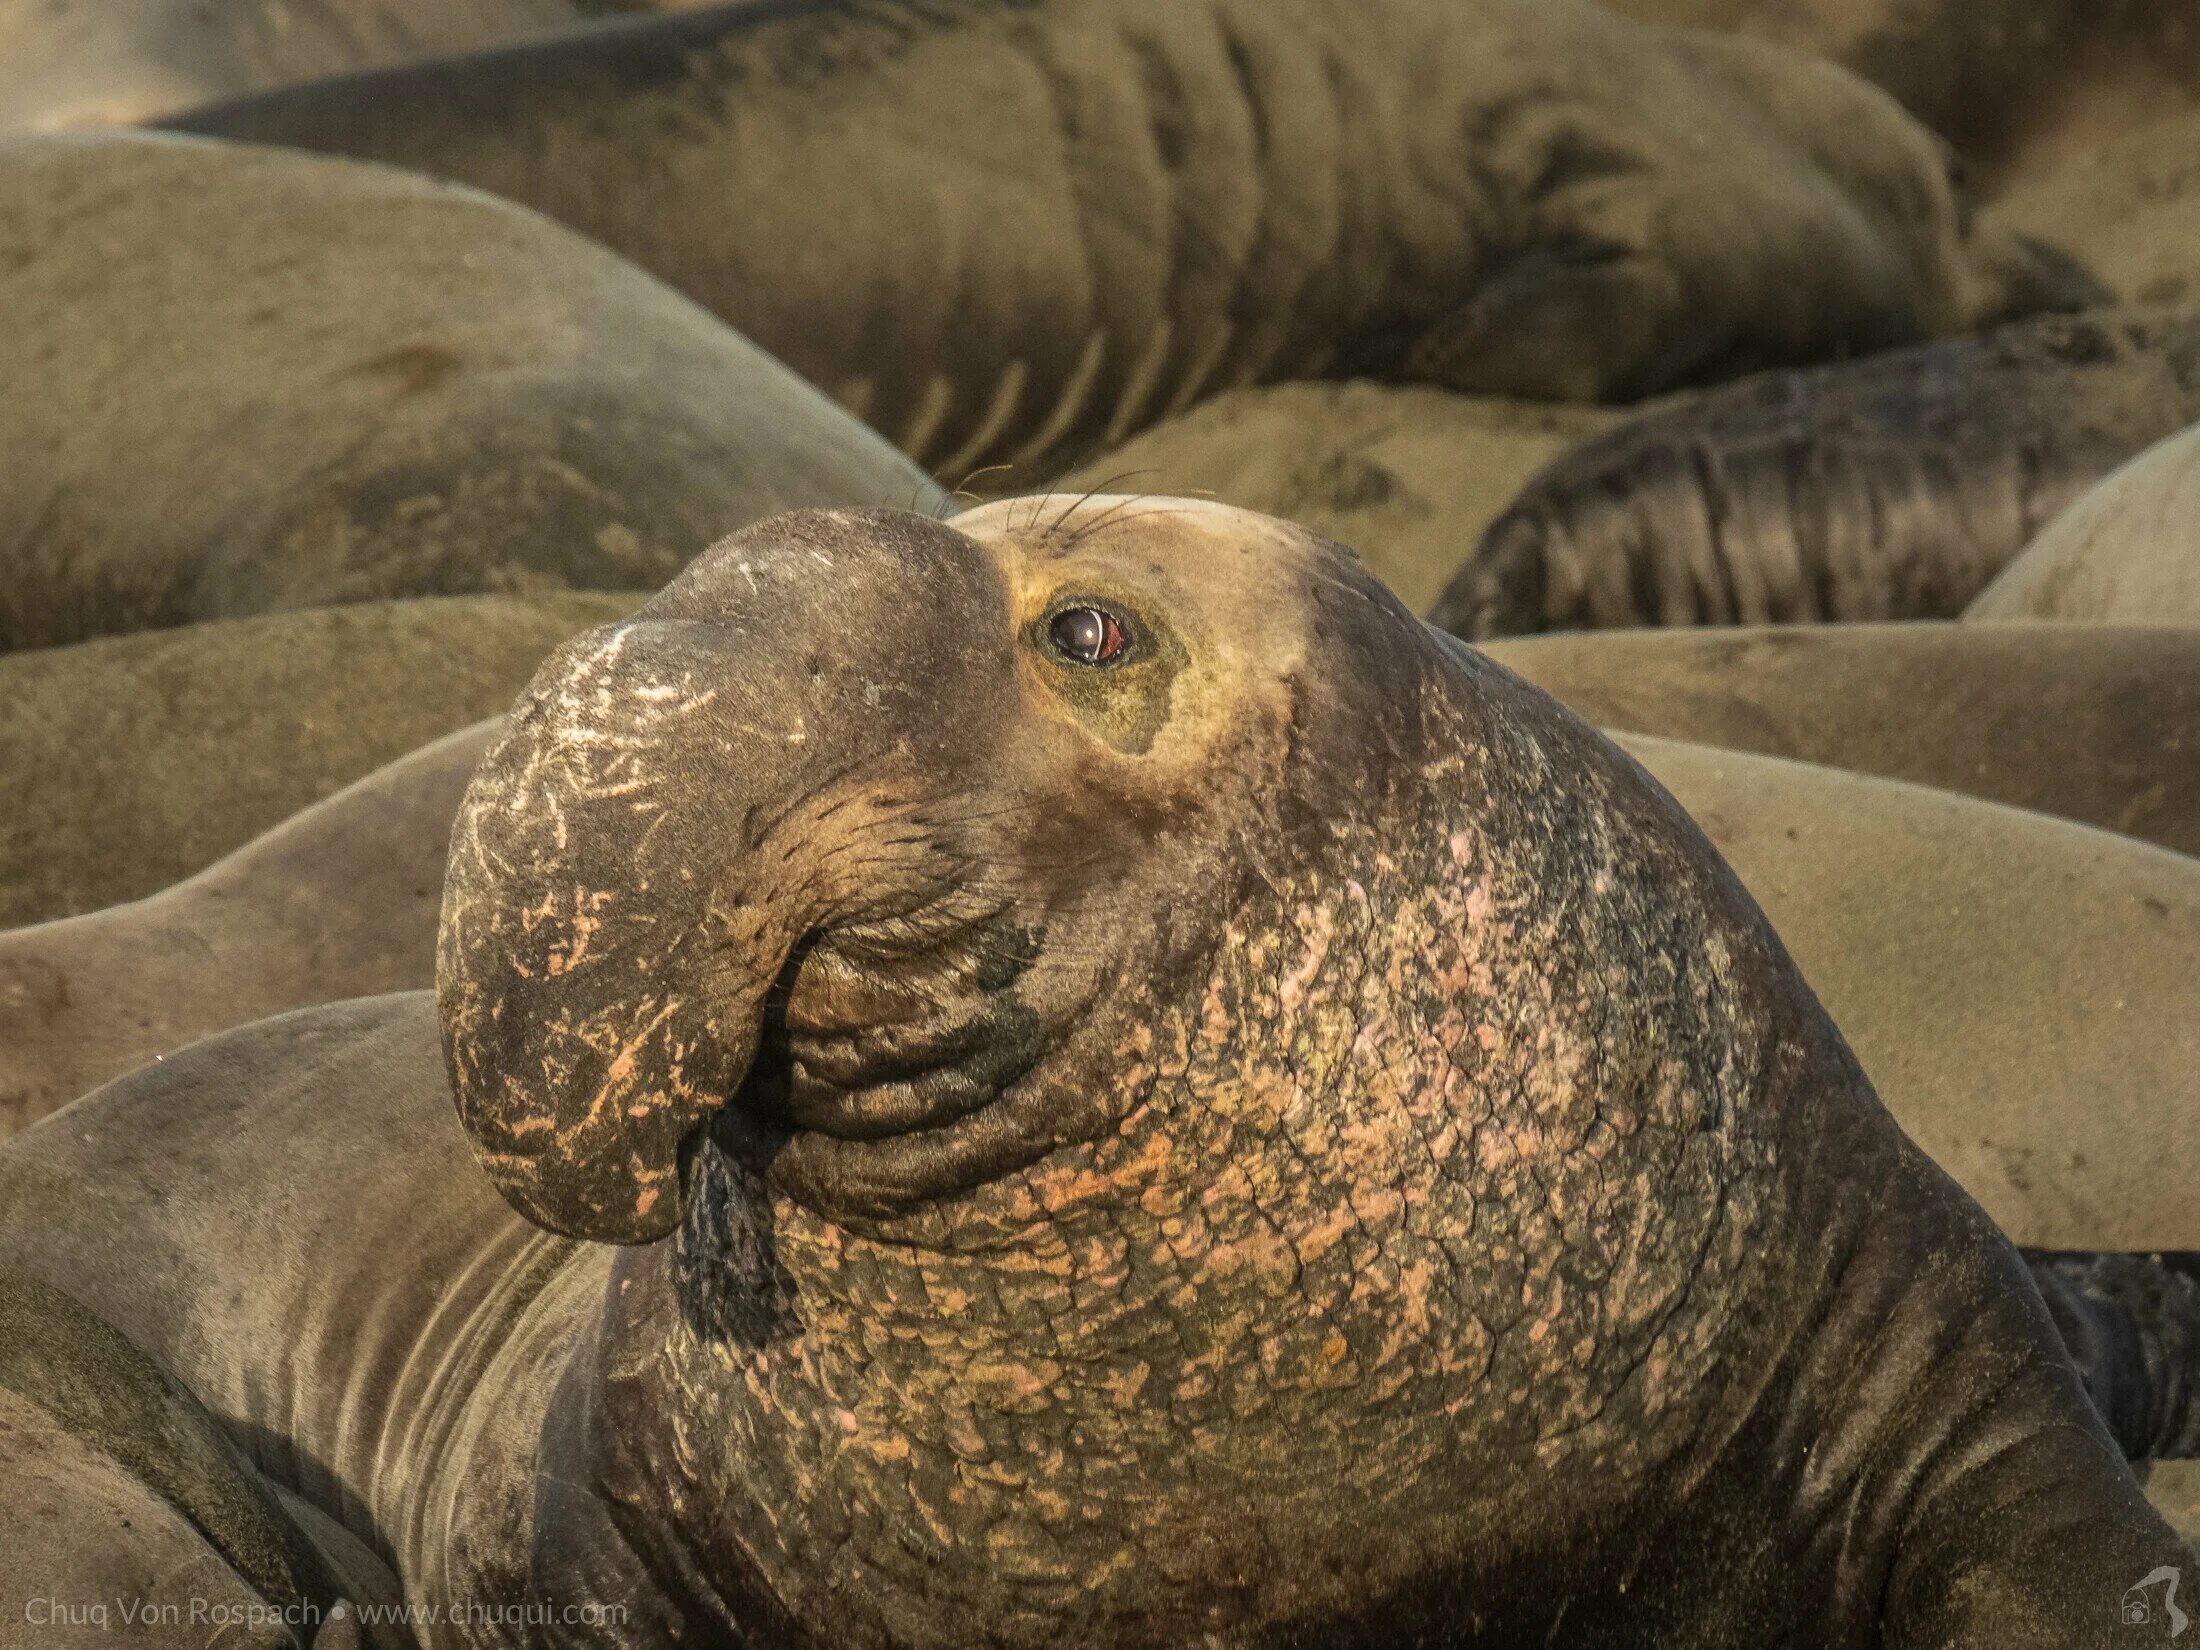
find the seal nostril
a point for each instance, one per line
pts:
(1087, 635)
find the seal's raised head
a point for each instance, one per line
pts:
(1133, 886)
(923, 838)
(859, 817)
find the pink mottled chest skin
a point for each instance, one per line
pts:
(1434, 1186)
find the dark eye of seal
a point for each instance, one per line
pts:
(1087, 636)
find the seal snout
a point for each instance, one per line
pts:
(648, 864)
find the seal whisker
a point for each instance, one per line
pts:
(1095, 492)
(962, 489)
(1114, 514)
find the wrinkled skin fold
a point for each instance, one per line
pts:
(1893, 488)
(1079, 216)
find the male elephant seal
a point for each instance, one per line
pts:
(1017, 232)
(1155, 1100)
(2021, 993)
(1893, 488)
(241, 380)
(2126, 551)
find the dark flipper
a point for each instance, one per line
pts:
(2132, 1325)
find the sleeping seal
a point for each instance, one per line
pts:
(1149, 1098)
(1890, 488)
(242, 381)
(1016, 233)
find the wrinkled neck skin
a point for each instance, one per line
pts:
(1448, 1162)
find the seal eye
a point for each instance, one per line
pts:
(1087, 636)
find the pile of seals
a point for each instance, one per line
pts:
(623, 1023)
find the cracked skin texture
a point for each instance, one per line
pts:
(1291, 1139)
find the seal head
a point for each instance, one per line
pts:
(1136, 881)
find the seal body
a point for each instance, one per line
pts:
(1205, 196)
(267, 380)
(2021, 990)
(1404, 473)
(2018, 86)
(2092, 723)
(1890, 488)
(138, 761)
(1444, 1215)
(339, 901)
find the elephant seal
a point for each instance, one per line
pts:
(1404, 473)
(113, 62)
(2084, 723)
(340, 901)
(132, 762)
(1146, 1104)
(1892, 488)
(1018, 233)
(2133, 206)
(2094, 723)
(2087, 723)
(242, 380)
(2127, 551)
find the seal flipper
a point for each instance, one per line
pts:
(150, 1461)
(2131, 1324)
